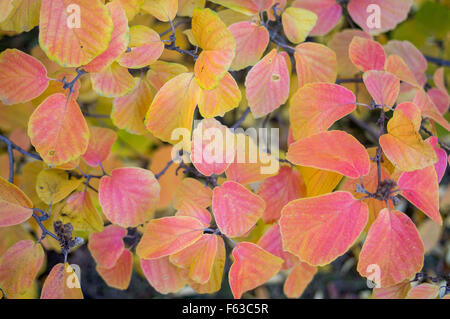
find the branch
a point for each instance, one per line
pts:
(173, 47)
(241, 119)
(164, 170)
(437, 61)
(354, 80)
(10, 146)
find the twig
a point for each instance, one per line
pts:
(241, 119)
(164, 170)
(438, 61)
(353, 80)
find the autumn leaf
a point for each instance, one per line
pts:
(403, 145)
(20, 265)
(101, 141)
(87, 41)
(119, 275)
(320, 229)
(394, 245)
(163, 275)
(235, 208)
(335, 151)
(366, 54)
(218, 45)
(252, 267)
(23, 77)
(62, 283)
(145, 47)
(251, 42)
(107, 246)
(169, 235)
(140, 189)
(267, 84)
(412, 186)
(15, 206)
(316, 106)
(58, 130)
(314, 63)
(173, 107)
(298, 23)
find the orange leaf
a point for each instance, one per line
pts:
(23, 77)
(212, 147)
(403, 145)
(107, 246)
(279, 190)
(215, 280)
(218, 45)
(192, 210)
(236, 209)
(58, 130)
(396, 65)
(194, 192)
(426, 105)
(335, 151)
(198, 258)
(413, 58)
(249, 166)
(384, 87)
(113, 81)
(173, 107)
(62, 283)
(163, 275)
(218, 101)
(391, 13)
(316, 106)
(251, 42)
(252, 267)
(15, 206)
(87, 36)
(100, 142)
(129, 196)
(169, 235)
(267, 84)
(19, 266)
(272, 243)
(119, 41)
(119, 275)
(413, 184)
(315, 63)
(366, 54)
(339, 44)
(320, 229)
(128, 111)
(394, 245)
(145, 47)
(299, 278)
